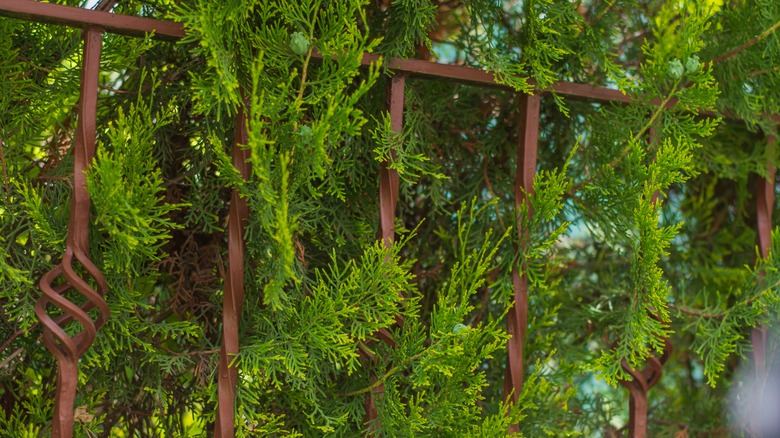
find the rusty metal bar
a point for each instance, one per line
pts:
(638, 387)
(388, 178)
(477, 77)
(79, 17)
(517, 318)
(233, 299)
(68, 349)
(388, 201)
(168, 30)
(765, 202)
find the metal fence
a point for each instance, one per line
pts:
(68, 349)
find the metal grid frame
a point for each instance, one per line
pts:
(68, 349)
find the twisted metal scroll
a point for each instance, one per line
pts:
(765, 201)
(638, 386)
(517, 318)
(233, 300)
(388, 201)
(66, 348)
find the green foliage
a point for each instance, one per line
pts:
(405, 25)
(639, 227)
(125, 187)
(719, 334)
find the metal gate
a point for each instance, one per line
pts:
(68, 349)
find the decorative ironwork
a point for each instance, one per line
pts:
(765, 202)
(388, 201)
(388, 178)
(641, 382)
(233, 300)
(69, 348)
(66, 276)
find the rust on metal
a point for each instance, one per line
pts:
(66, 348)
(641, 382)
(233, 300)
(79, 17)
(517, 318)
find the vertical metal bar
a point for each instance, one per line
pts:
(637, 402)
(388, 178)
(765, 201)
(388, 201)
(638, 387)
(68, 349)
(233, 300)
(517, 318)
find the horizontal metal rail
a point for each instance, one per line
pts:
(474, 76)
(82, 18)
(168, 30)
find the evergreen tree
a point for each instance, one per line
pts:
(639, 233)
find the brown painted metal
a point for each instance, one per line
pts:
(388, 201)
(765, 202)
(66, 348)
(638, 387)
(477, 77)
(474, 76)
(233, 300)
(79, 17)
(168, 30)
(388, 178)
(517, 318)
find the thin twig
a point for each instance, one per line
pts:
(755, 73)
(303, 73)
(658, 110)
(8, 359)
(187, 353)
(602, 13)
(746, 45)
(694, 312)
(15, 335)
(380, 381)
(492, 193)
(6, 185)
(114, 90)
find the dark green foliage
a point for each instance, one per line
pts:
(640, 226)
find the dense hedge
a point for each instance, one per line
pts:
(642, 226)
